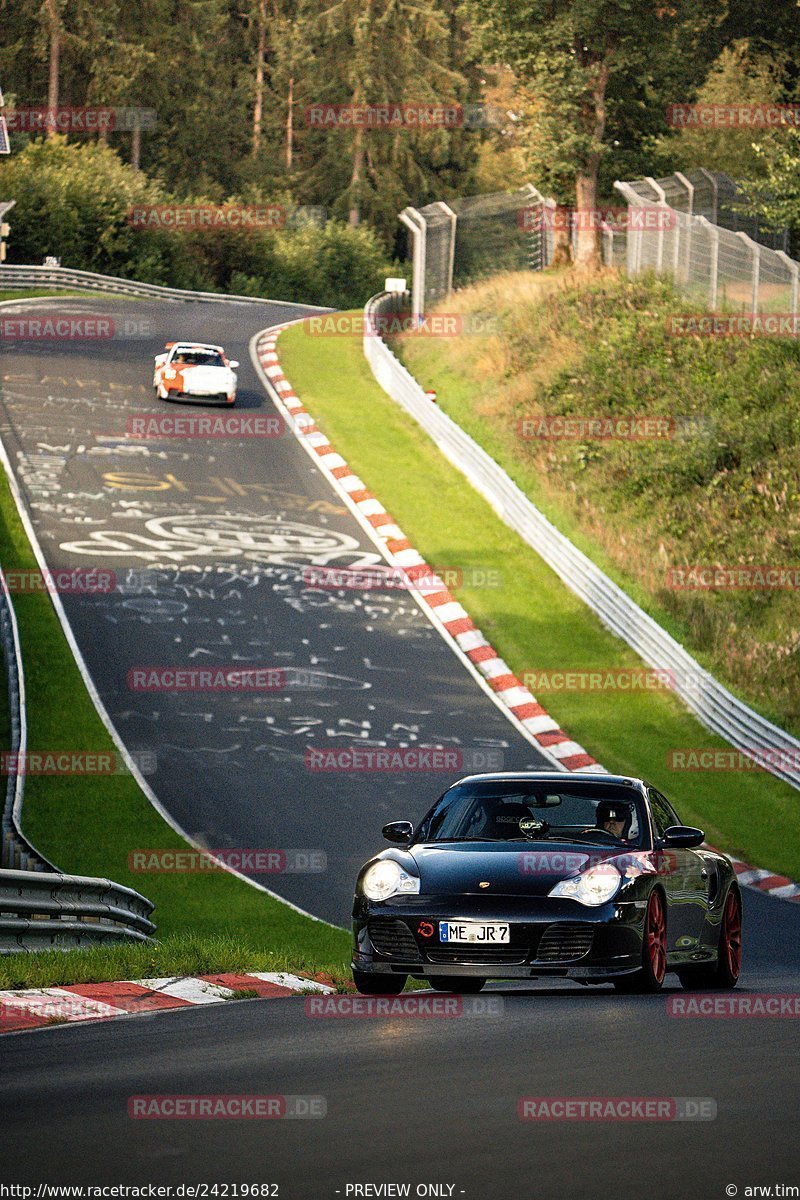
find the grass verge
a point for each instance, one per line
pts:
(88, 824)
(177, 954)
(38, 294)
(534, 622)
(722, 487)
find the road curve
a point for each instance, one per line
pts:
(414, 1102)
(209, 539)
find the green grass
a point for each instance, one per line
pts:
(532, 619)
(175, 955)
(724, 490)
(38, 293)
(88, 824)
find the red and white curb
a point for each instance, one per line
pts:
(447, 614)
(449, 617)
(762, 880)
(33, 1008)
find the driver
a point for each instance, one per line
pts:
(614, 818)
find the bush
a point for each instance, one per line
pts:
(73, 201)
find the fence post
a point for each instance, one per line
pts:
(409, 217)
(713, 282)
(662, 203)
(794, 270)
(755, 251)
(447, 210)
(687, 183)
(714, 191)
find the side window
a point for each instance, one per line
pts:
(664, 814)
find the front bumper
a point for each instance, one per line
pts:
(201, 397)
(548, 937)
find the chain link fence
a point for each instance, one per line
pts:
(692, 227)
(474, 237)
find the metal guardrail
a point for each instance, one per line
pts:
(61, 912)
(717, 708)
(16, 852)
(66, 277)
(41, 908)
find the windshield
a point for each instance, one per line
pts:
(531, 810)
(198, 358)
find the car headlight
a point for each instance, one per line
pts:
(593, 887)
(387, 878)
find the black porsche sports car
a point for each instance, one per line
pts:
(517, 876)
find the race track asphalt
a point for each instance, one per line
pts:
(417, 1101)
(408, 1101)
(208, 540)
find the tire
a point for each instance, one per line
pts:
(650, 977)
(460, 985)
(378, 985)
(724, 973)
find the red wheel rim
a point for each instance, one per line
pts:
(732, 935)
(656, 937)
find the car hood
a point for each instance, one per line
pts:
(205, 377)
(510, 869)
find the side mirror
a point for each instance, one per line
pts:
(398, 831)
(683, 837)
(233, 364)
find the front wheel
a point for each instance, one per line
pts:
(724, 973)
(459, 985)
(650, 976)
(379, 985)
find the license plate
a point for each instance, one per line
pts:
(485, 933)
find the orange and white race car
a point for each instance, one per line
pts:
(196, 372)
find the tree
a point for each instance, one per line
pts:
(569, 55)
(774, 195)
(377, 52)
(739, 74)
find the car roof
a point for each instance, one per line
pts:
(556, 777)
(193, 346)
